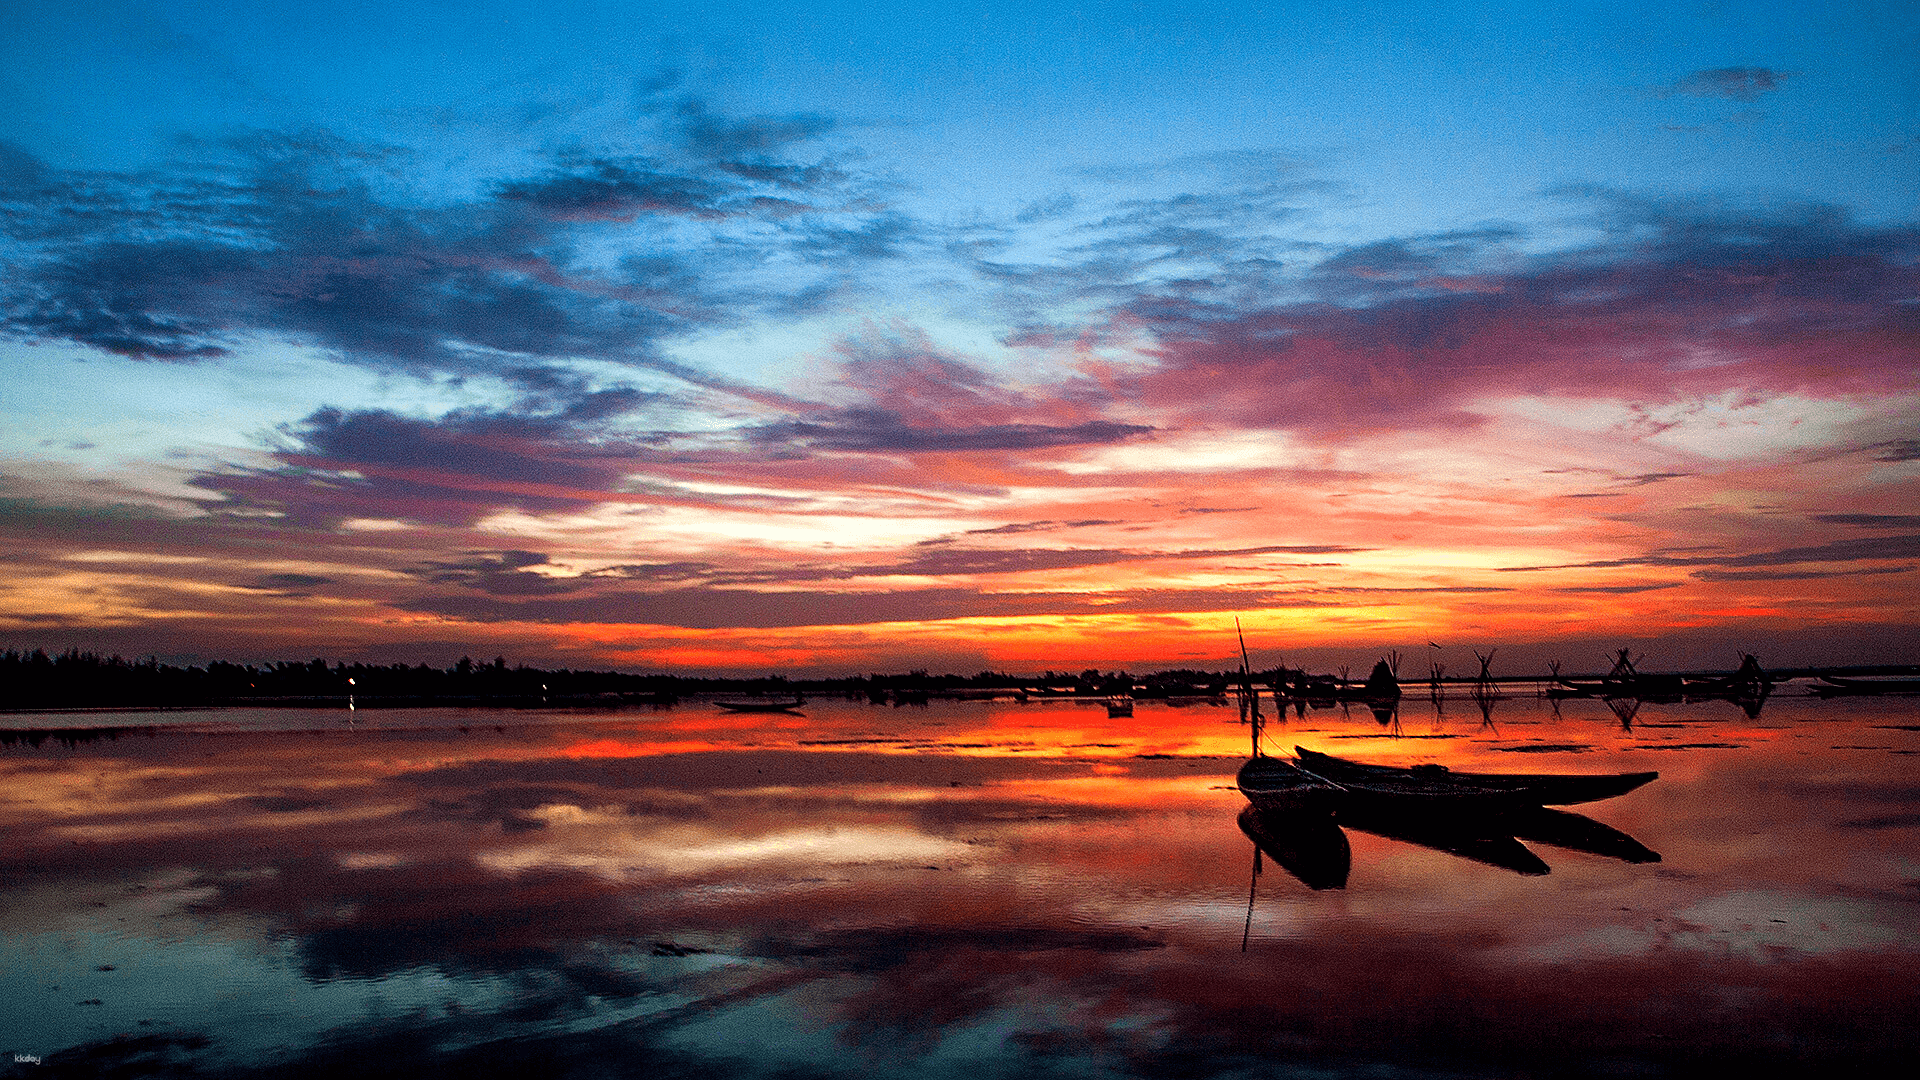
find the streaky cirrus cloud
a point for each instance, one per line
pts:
(1857, 549)
(453, 469)
(1682, 306)
(308, 235)
(1734, 83)
(1872, 521)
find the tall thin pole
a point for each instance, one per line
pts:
(1246, 678)
(1252, 884)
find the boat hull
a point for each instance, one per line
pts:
(1833, 686)
(1530, 789)
(759, 706)
(1271, 783)
(1278, 784)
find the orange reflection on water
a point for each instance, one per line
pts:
(871, 883)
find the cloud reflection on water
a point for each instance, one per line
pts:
(474, 902)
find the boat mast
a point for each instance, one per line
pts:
(1246, 680)
(1252, 884)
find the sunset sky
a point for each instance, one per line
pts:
(814, 337)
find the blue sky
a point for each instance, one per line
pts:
(1456, 110)
(562, 295)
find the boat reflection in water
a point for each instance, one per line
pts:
(1306, 844)
(1298, 810)
(1311, 842)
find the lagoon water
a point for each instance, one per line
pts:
(962, 889)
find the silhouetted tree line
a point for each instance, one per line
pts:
(77, 679)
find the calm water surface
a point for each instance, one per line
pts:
(964, 889)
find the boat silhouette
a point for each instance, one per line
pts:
(1310, 841)
(1298, 810)
(1835, 686)
(761, 706)
(1539, 789)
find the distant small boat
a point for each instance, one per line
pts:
(761, 706)
(1431, 781)
(661, 697)
(1837, 686)
(1626, 680)
(1749, 681)
(1645, 687)
(1121, 707)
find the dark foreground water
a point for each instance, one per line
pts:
(963, 890)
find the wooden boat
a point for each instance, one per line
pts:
(661, 697)
(1645, 687)
(1749, 680)
(1435, 781)
(1627, 680)
(1277, 783)
(1836, 686)
(761, 706)
(1272, 783)
(1120, 707)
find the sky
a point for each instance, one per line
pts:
(745, 337)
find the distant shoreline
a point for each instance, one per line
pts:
(81, 682)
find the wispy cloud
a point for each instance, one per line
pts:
(1897, 450)
(453, 469)
(721, 608)
(1040, 526)
(1692, 300)
(1872, 521)
(874, 431)
(1798, 575)
(1733, 83)
(1856, 549)
(501, 573)
(305, 236)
